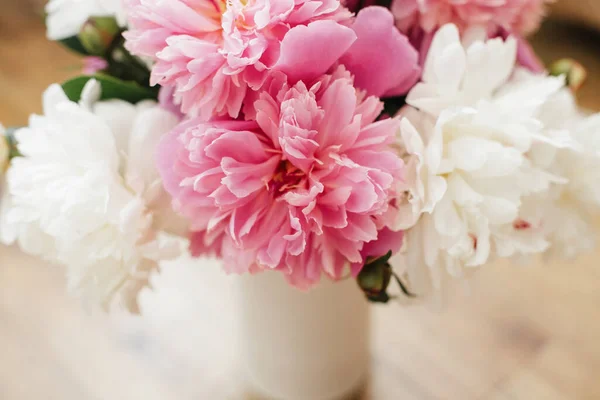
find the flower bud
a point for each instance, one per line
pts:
(575, 74)
(375, 277)
(97, 34)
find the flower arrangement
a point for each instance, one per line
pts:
(403, 142)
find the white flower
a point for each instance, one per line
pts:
(86, 194)
(569, 210)
(66, 17)
(478, 124)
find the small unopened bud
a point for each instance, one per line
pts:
(375, 277)
(97, 34)
(575, 74)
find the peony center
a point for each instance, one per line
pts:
(286, 177)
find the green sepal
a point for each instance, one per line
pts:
(74, 44)
(12, 142)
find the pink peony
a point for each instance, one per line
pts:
(215, 53)
(302, 189)
(521, 17)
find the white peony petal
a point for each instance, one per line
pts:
(119, 116)
(489, 65)
(447, 36)
(147, 129)
(446, 218)
(90, 94)
(462, 193)
(499, 210)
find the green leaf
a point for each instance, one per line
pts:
(74, 44)
(112, 88)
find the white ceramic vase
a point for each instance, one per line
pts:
(303, 345)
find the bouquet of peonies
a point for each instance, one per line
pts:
(399, 143)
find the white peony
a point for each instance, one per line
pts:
(65, 18)
(86, 194)
(477, 124)
(567, 213)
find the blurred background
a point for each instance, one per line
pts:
(527, 332)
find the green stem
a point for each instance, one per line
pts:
(403, 286)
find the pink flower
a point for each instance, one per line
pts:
(516, 16)
(93, 65)
(302, 189)
(215, 54)
(213, 51)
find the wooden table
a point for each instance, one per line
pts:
(525, 332)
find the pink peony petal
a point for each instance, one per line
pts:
(387, 240)
(339, 102)
(307, 52)
(242, 179)
(382, 60)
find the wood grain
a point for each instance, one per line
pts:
(525, 332)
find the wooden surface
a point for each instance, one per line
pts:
(524, 332)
